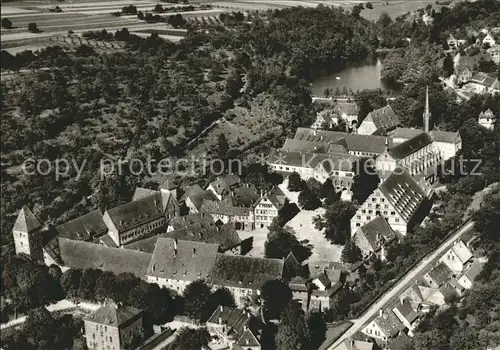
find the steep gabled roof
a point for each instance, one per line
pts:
(86, 255)
(440, 273)
(182, 260)
(375, 230)
(410, 146)
(305, 146)
(406, 311)
(245, 272)
(26, 221)
(444, 136)
(198, 195)
(114, 316)
(225, 183)
(474, 270)
(233, 318)
(83, 227)
(405, 133)
(140, 193)
(248, 339)
(389, 323)
(384, 118)
(137, 212)
(403, 192)
(348, 108)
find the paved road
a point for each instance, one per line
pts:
(402, 285)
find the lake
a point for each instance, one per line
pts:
(365, 76)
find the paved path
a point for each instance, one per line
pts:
(402, 285)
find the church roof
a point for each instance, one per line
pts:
(410, 146)
(444, 136)
(26, 221)
(83, 227)
(384, 118)
(403, 192)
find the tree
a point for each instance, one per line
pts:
(292, 331)
(197, 301)
(429, 340)
(275, 295)
(6, 23)
(222, 296)
(40, 326)
(369, 5)
(295, 183)
(317, 329)
(32, 27)
(336, 221)
(222, 146)
(365, 181)
(448, 65)
(191, 339)
(281, 241)
(351, 253)
(308, 200)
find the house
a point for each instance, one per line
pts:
(454, 43)
(223, 186)
(427, 19)
(229, 211)
(85, 228)
(438, 275)
(269, 206)
(418, 155)
(489, 40)
(176, 263)
(448, 143)
(348, 111)
(112, 327)
(379, 122)
(495, 53)
(27, 233)
(372, 237)
(300, 291)
(244, 276)
(482, 83)
(464, 74)
(487, 119)
(467, 279)
(413, 295)
(351, 344)
(248, 341)
(400, 135)
(136, 219)
(400, 199)
(230, 324)
(195, 195)
(457, 257)
(406, 314)
(384, 327)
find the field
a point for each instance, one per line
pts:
(81, 16)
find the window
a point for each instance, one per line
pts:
(370, 211)
(397, 219)
(368, 218)
(393, 213)
(385, 212)
(363, 211)
(374, 199)
(386, 206)
(358, 224)
(358, 217)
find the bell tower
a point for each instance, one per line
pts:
(27, 234)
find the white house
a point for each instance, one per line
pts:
(457, 257)
(385, 326)
(379, 122)
(487, 119)
(448, 143)
(467, 279)
(489, 40)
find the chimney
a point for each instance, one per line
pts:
(221, 308)
(245, 327)
(380, 312)
(220, 320)
(175, 243)
(194, 251)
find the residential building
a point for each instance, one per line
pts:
(269, 206)
(487, 119)
(176, 263)
(467, 279)
(384, 327)
(136, 219)
(379, 122)
(400, 135)
(244, 276)
(231, 324)
(27, 232)
(495, 53)
(195, 195)
(374, 236)
(457, 257)
(438, 275)
(400, 199)
(464, 74)
(489, 40)
(351, 344)
(84, 228)
(454, 43)
(223, 186)
(482, 83)
(427, 19)
(112, 327)
(248, 341)
(406, 314)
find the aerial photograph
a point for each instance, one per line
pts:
(250, 175)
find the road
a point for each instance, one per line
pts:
(402, 285)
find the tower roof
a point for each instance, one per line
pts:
(26, 221)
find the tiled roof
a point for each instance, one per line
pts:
(376, 229)
(348, 108)
(114, 316)
(224, 235)
(403, 192)
(86, 255)
(389, 323)
(107, 241)
(248, 339)
(463, 253)
(224, 207)
(351, 344)
(275, 196)
(440, 273)
(384, 118)
(233, 318)
(324, 280)
(168, 185)
(83, 227)
(406, 311)
(405, 133)
(244, 196)
(486, 114)
(444, 136)
(245, 272)
(26, 221)
(182, 260)
(410, 146)
(330, 162)
(198, 195)
(140, 193)
(305, 146)
(448, 291)
(198, 220)
(298, 284)
(137, 212)
(485, 79)
(225, 183)
(337, 148)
